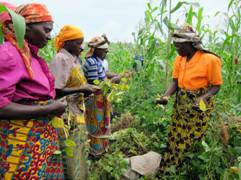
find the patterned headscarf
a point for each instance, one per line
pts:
(67, 33)
(187, 34)
(100, 42)
(34, 13)
(5, 16)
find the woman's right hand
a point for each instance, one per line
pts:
(162, 100)
(88, 89)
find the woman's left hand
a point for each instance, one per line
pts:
(197, 103)
(116, 79)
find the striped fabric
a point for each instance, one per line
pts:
(94, 69)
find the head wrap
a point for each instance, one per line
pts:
(5, 16)
(67, 33)
(34, 13)
(187, 34)
(100, 42)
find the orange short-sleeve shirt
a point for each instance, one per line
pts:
(202, 70)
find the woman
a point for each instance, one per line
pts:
(97, 106)
(28, 141)
(70, 81)
(196, 79)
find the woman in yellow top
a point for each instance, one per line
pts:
(196, 79)
(70, 82)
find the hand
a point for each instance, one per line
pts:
(197, 103)
(127, 74)
(162, 100)
(88, 89)
(57, 108)
(116, 79)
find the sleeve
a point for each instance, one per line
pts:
(61, 69)
(176, 66)
(105, 65)
(214, 71)
(10, 75)
(91, 69)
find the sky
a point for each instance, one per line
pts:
(116, 18)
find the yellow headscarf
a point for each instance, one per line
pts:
(67, 33)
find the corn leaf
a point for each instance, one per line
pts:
(19, 27)
(199, 20)
(179, 4)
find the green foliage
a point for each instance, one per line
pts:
(209, 159)
(109, 167)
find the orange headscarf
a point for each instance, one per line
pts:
(67, 33)
(32, 13)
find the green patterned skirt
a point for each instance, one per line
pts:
(188, 126)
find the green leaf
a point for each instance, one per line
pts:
(199, 20)
(230, 4)
(179, 4)
(2, 9)
(96, 82)
(69, 151)
(57, 122)
(202, 105)
(69, 143)
(189, 16)
(205, 145)
(18, 25)
(217, 13)
(1, 35)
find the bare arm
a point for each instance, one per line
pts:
(86, 89)
(213, 90)
(170, 91)
(172, 88)
(110, 74)
(19, 111)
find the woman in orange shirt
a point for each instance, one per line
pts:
(196, 79)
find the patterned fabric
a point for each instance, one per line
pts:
(93, 69)
(100, 42)
(28, 148)
(34, 13)
(67, 33)
(187, 34)
(189, 125)
(76, 167)
(98, 123)
(202, 70)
